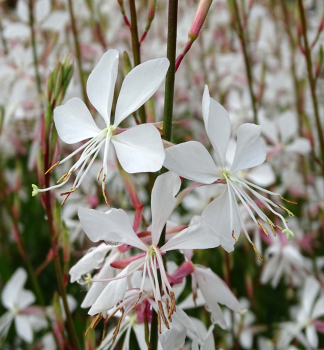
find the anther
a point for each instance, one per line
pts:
(52, 167)
(94, 323)
(271, 225)
(288, 211)
(287, 200)
(165, 321)
(99, 172)
(138, 299)
(173, 303)
(103, 189)
(234, 236)
(264, 230)
(116, 331)
(159, 322)
(256, 252)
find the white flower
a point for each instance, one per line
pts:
(192, 161)
(15, 299)
(139, 149)
(115, 227)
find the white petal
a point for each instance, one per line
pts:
(300, 145)
(269, 129)
(74, 122)
(16, 31)
(262, 175)
(250, 150)
(42, 9)
(140, 335)
(25, 298)
(163, 202)
(101, 83)
(23, 11)
(23, 328)
(288, 126)
(138, 86)
(13, 287)
(114, 292)
(189, 303)
(112, 226)
(56, 21)
(318, 310)
(217, 215)
(5, 323)
(217, 124)
(96, 288)
(140, 149)
(197, 236)
(312, 337)
(89, 262)
(310, 292)
(246, 339)
(218, 289)
(192, 161)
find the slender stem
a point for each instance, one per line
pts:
(3, 39)
(57, 264)
(33, 42)
(311, 79)
(167, 118)
(136, 49)
(78, 52)
(241, 34)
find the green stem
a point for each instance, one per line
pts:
(33, 42)
(167, 119)
(78, 52)
(241, 34)
(3, 39)
(311, 79)
(136, 49)
(55, 249)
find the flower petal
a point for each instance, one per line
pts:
(112, 226)
(197, 236)
(114, 292)
(163, 202)
(24, 328)
(269, 129)
(25, 298)
(89, 262)
(300, 145)
(74, 122)
(138, 86)
(217, 215)
(192, 161)
(310, 292)
(250, 150)
(312, 337)
(217, 124)
(11, 290)
(97, 287)
(140, 149)
(42, 10)
(101, 83)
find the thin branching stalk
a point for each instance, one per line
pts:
(312, 82)
(78, 52)
(247, 61)
(136, 47)
(33, 42)
(55, 249)
(167, 118)
(3, 39)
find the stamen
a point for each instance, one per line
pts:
(52, 167)
(159, 322)
(103, 189)
(99, 172)
(94, 323)
(234, 236)
(173, 303)
(138, 299)
(270, 224)
(118, 326)
(168, 309)
(287, 200)
(288, 211)
(256, 252)
(165, 321)
(264, 230)
(280, 228)
(61, 178)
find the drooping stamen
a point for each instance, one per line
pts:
(271, 225)
(168, 309)
(52, 167)
(165, 321)
(234, 236)
(118, 326)
(288, 211)
(173, 303)
(99, 172)
(256, 252)
(159, 322)
(94, 323)
(138, 299)
(287, 200)
(103, 185)
(264, 230)
(67, 194)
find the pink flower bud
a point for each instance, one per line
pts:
(199, 19)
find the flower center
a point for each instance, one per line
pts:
(109, 130)
(225, 174)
